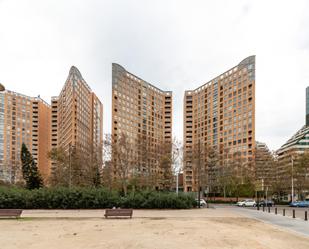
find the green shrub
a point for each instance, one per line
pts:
(90, 198)
(13, 197)
(158, 200)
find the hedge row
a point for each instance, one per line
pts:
(90, 198)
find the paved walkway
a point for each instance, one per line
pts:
(137, 213)
(296, 225)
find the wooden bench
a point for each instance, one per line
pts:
(118, 212)
(10, 213)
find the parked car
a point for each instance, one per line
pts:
(294, 204)
(299, 204)
(303, 204)
(265, 203)
(246, 203)
(202, 202)
(240, 203)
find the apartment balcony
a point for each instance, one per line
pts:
(188, 178)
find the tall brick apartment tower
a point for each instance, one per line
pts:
(141, 111)
(77, 117)
(26, 120)
(220, 115)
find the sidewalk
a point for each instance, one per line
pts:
(296, 225)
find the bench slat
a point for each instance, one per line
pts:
(10, 212)
(118, 212)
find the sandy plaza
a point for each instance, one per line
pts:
(154, 229)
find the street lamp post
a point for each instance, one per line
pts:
(199, 175)
(70, 166)
(292, 180)
(2, 88)
(177, 183)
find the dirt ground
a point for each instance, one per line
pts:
(149, 229)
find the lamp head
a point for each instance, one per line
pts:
(2, 88)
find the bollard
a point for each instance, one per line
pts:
(306, 215)
(258, 207)
(268, 209)
(207, 205)
(275, 210)
(294, 213)
(263, 208)
(283, 212)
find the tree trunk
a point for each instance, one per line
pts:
(125, 188)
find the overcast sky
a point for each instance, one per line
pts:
(173, 44)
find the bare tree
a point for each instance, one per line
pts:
(147, 170)
(206, 167)
(200, 174)
(240, 176)
(165, 166)
(284, 171)
(212, 164)
(223, 174)
(300, 174)
(11, 172)
(278, 186)
(176, 159)
(107, 171)
(176, 154)
(60, 169)
(124, 160)
(75, 168)
(94, 166)
(265, 172)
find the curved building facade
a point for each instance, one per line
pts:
(143, 113)
(220, 116)
(77, 117)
